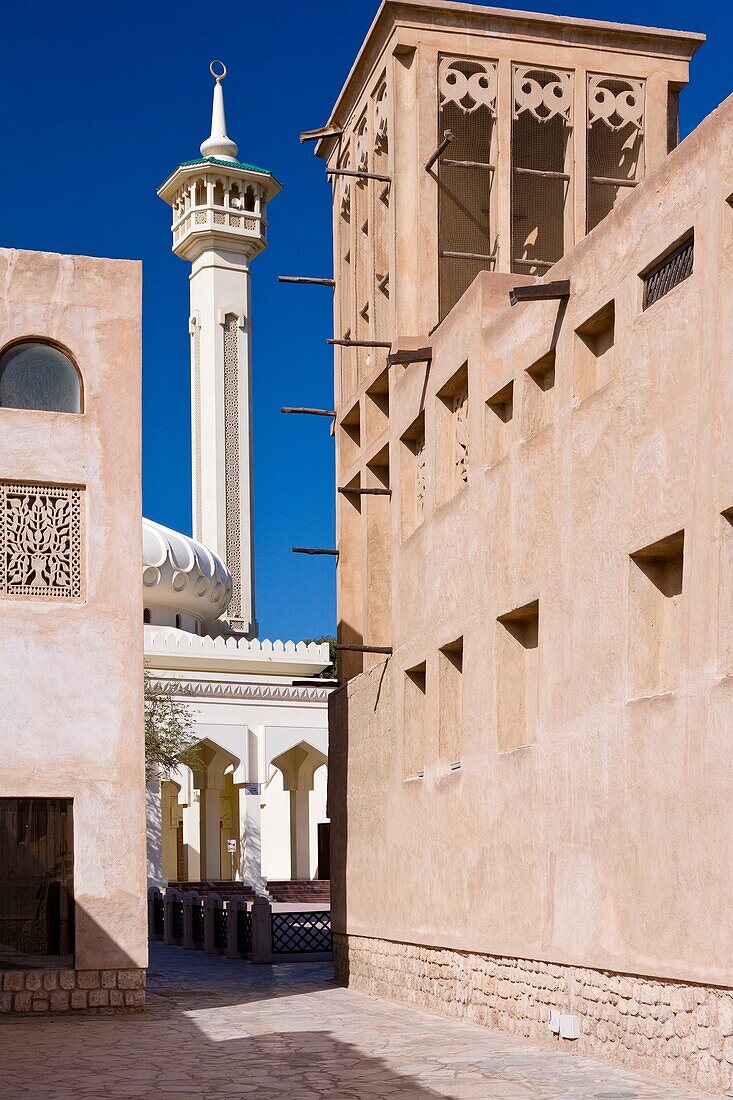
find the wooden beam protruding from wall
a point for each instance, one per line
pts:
(541, 292)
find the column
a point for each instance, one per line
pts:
(250, 837)
(192, 841)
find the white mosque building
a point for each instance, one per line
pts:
(253, 808)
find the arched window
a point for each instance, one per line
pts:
(146, 615)
(34, 375)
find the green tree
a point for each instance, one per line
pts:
(329, 673)
(169, 731)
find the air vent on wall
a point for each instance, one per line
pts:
(669, 272)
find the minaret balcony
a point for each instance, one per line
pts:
(230, 226)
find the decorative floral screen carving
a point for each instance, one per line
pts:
(362, 146)
(40, 541)
(468, 83)
(545, 93)
(617, 101)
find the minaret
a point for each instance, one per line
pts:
(219, 225)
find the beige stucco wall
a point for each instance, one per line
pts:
(606, 841)
(71, 711)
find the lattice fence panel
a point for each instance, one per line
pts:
(244, 932)
(177, 919)
(158, 916)
(301, 932)
(220, 928)
(197, 923)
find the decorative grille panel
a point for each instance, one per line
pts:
(672, 271)
(301, 932)
(220, 928)
(543, 115)
(197, 922)
(615, 142)
(40, 541)
(244, 932)
(467, 91)
(158, 916)
(231, 453)
(177, 919)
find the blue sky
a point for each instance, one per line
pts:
(99, 103)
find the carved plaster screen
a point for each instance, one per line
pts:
(541, 158)
(231, 461)
(615, 142)
(467, 242)
(40, 541)
(380, 215)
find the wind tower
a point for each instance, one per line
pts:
(219, 225)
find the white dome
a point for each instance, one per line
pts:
(182, 575)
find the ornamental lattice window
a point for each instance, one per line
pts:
(615, 157)
(232, 461)
(40, 541)
(542, 121)
(467, 217)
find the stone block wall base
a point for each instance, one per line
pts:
(94, 992)
(684, 1032)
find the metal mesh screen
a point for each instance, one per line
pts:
(466, 236)
(614, 151)
(301, 932)
(672, 271)
(539, 192)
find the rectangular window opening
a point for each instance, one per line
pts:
(450, 701)
(452, 435)
(655, 592)
(517, 677)
(499, 414)
(36, 883)
(667, 273)
(594, 355)
(538, 404)
(377, 406)
(413, 476)
(413, 726)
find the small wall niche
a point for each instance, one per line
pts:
(725, 594)
(452, 441)
(655, 604)
(350, 580)
(377, 406)
(594, 352)
(350, 437)
(413, 721)
(517, 652)
(414, 476)
(538, 403)
(499, 414)
(450, 701)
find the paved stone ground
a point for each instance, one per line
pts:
(218, 1028)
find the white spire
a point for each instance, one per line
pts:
(218, 144)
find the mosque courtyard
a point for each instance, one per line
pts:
(223, 1028)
